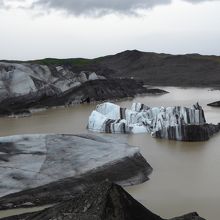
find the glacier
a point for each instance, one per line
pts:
(174, 123)
(32, 160)
(22, 79)
(29, 85)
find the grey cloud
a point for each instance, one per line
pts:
(1, 4)
(97, 7)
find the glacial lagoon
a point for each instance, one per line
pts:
(186, 176)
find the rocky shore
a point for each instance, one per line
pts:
(105, 201)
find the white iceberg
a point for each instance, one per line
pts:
(165, 122)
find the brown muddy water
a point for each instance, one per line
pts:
(7, 213)
(186, 175)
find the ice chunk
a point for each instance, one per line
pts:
(163, 122)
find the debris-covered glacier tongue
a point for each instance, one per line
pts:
(174, 123)
(25, 86)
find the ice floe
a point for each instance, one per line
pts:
(164, 122)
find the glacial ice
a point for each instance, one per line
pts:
(163, 122)
(33, 160)
(23, 79)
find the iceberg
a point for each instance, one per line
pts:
(33, 160)
(175, 123)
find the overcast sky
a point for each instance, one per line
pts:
(33, 29)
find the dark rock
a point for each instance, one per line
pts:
(214, 104)
(106, 201)
(163, 69)
(190, 216)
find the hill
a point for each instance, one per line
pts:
(153, 68)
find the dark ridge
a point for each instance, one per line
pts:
(214, 104)
(90, 91)
(165, 69)
(153, 68)
(106, 201)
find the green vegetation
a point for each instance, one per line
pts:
(71, 61)
(205, 57)
(81, 62)
(214, 58)
(77, 62)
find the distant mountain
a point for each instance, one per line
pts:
(164, 69)
(152, 68)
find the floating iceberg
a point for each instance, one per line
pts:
(176, 123)
(28, 161)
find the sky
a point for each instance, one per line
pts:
(35, 29)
